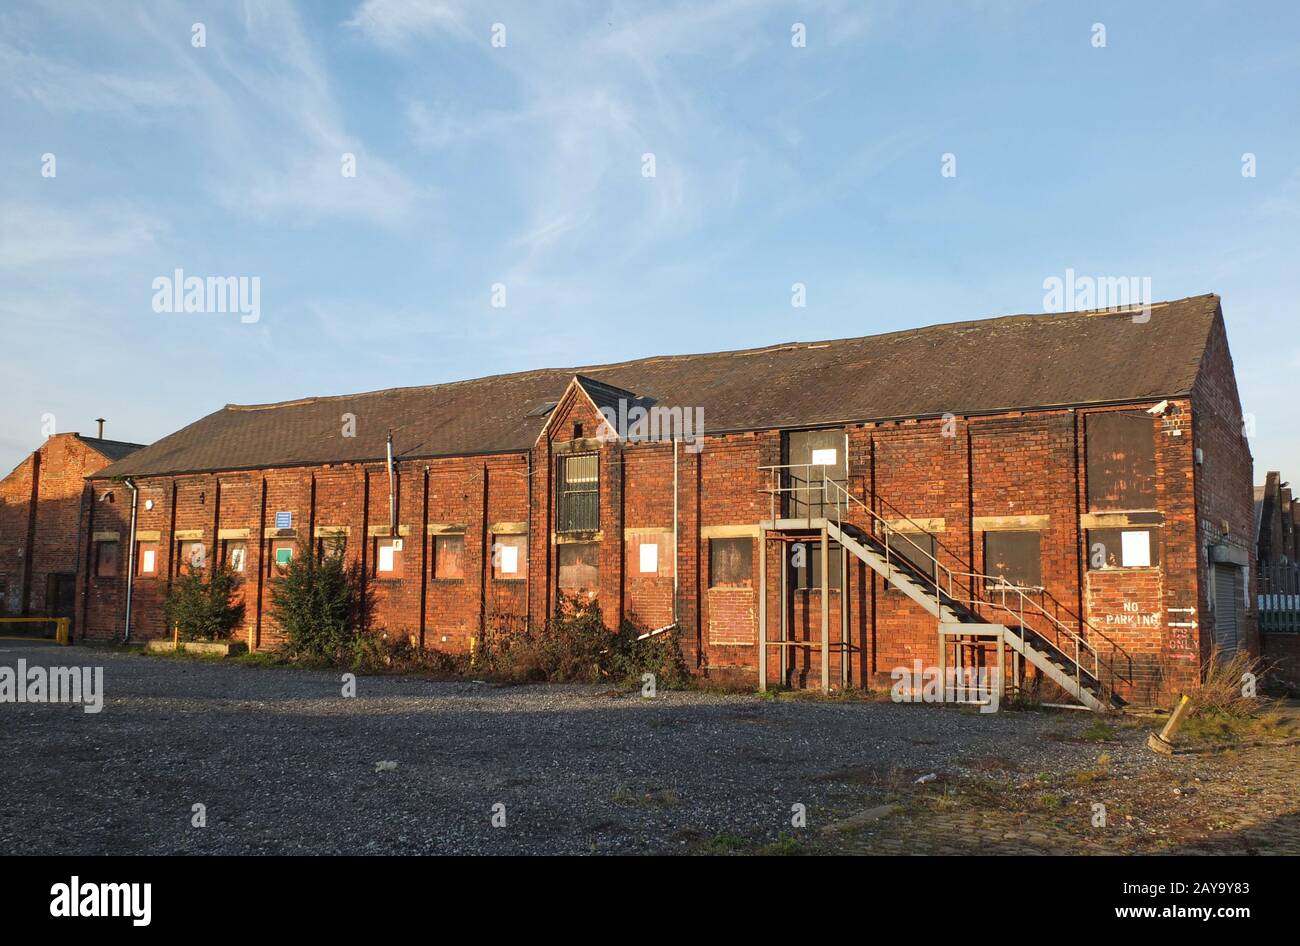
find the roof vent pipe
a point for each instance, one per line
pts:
(100, 422)
(392, 498)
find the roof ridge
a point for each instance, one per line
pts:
(89, 439)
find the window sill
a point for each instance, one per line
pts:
(447, 581)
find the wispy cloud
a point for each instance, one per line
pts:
(585, 108)
(56, 85)
(263, 113)
(35, 235)
(397, 23)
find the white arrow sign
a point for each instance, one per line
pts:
(1192, 624)
(1181, 610)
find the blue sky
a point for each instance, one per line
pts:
(522, 165)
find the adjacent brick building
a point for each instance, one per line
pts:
(1095, 461)
(41, 502)
(1277, 545)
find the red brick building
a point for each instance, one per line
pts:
(1074, 489)
(1277, 552)
(41, 502)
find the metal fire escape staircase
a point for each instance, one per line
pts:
(967, 606)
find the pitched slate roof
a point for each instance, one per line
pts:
(1012, 362)
(111, 449)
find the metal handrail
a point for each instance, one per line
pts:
(974, 580)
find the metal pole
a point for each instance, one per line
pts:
(826, 610)
(943, 668)
(762, 609)
(845, 649)
(785, 630)
(999, 683)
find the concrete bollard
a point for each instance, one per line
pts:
(1164, 741)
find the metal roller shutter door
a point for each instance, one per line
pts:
(1227, 604)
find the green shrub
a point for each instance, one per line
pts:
(660, 655)
(201, 604)
(318, 601)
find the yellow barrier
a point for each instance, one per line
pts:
(62, 627)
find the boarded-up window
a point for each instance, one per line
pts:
(579, 493)
(509, 557)
(388, 557)
(146, 559)
(731, 563)
(333, 545)
(191, 556)
(1123, 548)
(282, 552)
(579, 566)
(234, 555)
(1014, 557)
(449, 557)
(106, 559)
(916, 548)
(1121, 461)
(649, 555)
(806, 565)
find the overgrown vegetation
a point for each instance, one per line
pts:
(318, 601)
(1228, 687)
(1227, 708)
(576, 646)
(201, 604)
(399, 652)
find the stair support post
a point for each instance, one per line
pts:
(1002, 667)
(845, 647)
(826, 610)
(785, 625)
(943, 661)
(762, 609)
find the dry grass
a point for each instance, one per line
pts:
(1227, 709)
(1224, 689)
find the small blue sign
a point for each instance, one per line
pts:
(284, 520)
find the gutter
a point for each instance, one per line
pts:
(130, 559)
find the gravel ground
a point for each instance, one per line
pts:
(284, 764)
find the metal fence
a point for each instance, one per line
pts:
(1278, 599)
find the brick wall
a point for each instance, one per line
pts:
(41, 503)
(965, 476)
(354, 497)
(1223, 487)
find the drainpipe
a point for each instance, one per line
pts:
(674, 530)
(130, 560)
(528, 572)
